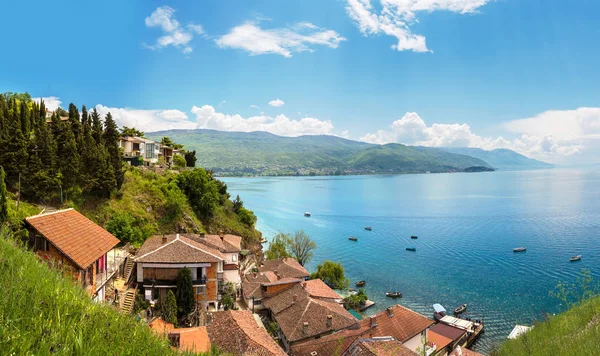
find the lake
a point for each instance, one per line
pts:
(467, 224)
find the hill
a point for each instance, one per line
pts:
(501, 159)
(262, 153)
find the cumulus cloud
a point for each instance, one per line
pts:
(174, 34)
(544, 144)
(51, 102)
(396, 17)
(148, 120)
(208, 118)
(301, 37)
(276, 103)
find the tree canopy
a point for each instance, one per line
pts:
(332, 273)
(131, 131)
(301, 247)
(278, 247)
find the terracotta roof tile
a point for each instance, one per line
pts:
(176, 249)
(229, 244)
(440, 341)
(374, 347)
(193, 339)
(76, 236)
(318, 289)
(238, 333)
(161, 327)
(464, 352)
(285, 267)
(252, 282)
(398, 322)
(332, 344)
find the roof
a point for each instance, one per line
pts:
(318, 289)
(177, 249)
(399, 322)
(332, 344)
(237, 332)
(457, 322)
(380, 347)
(229, 243)
(132, 139)
(518, 330)
(76, 236)
(461, 351)
(193, 339)
(160, 326)
(299, 316)
(282, 281)
(285, 267)
(440, 341)
(252, 282)
(447, 331)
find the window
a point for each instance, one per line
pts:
(41, 244)
(234, 258)
(150, 150)
(200, 290)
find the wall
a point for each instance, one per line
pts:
(233, 277)
(414, 343)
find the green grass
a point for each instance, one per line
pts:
(43, 313)
(574, 332)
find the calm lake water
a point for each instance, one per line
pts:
(467, 225)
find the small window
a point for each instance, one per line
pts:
(234, 258)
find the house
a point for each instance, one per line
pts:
(301, 317)
(237, 332)
(71, 241)
(252, 288)
(135, 148)
(379, 346)
(230, 247)
(446, 338)
(160, 258)
(185, 339)
(285, 268)
(316, 288)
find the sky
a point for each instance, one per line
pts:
(514, 74)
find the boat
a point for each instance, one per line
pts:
(460, 309)
(360, 283)
(263, 241)
(414, 237)
(368, 228)
(411, 249)
(575, 258)
(393, 294)
(352, 238)
(307, 214)
(519, 249)
(438, 312)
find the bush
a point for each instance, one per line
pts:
(201, 191)
(178, 162)
(128, 229)
(332, 274)
(246, 216)
(354, 301)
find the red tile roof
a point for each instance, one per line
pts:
(285, 267)
(332, 344)
(448, 331)
(76, 236)
(251, 284)
(238, 333)
(318, 289)
(461, 351)
(439, 340)
(229, 243)
(176, 249)
(375, 347)
(161, 327)
(398, 322)
(193, 339)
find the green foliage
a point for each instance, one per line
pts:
(278, 247)
(169, 308)
(583, 289)
(140, 303)
(237, 204)
(332, 273)
(246, 216)
(3, 197)
(190, 158)
(355, 301)
(131, 131)
(186, 300)
(301, 247)
(128, 229)
(178, 162)
(273, 329)
(166, 141)
(201, 191)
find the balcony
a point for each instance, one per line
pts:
(171, 283)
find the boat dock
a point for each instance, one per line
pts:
(473, 327)
(367, 305)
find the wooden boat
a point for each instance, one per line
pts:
(360, 283)
(519, 249)
(438, 312)
(575, 258)
(307, 214)
(368, 228)
(460, 309)
(411, 249)
(352, 238)
(414, 237)
(393, 294)
(263, 241)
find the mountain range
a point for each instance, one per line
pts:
(261, 153)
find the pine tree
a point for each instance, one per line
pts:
(111, 142)
(13, 155)
(25, 123)
(169, 308)
(85, 121)
(3, 197)
(68, 158)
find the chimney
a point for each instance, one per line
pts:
(202, 234)
(295, 299)
(276, 272)
(390, 311)
(329, 318)
(164, 239)
(373, 321)
(305, 327)
(177, 236)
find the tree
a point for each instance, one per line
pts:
(166, 141)
(201, 191)
(169, 308)
(237, 204)
(278, 247)
(96, 126)
(3, 197)
(131, 131)
(111, 142)
(190, 158)
(354, 301)
(126, 228)
(302, 248)
(185, 292)
(68, 157)
(246, 216)
(178, 162)
(332, 274)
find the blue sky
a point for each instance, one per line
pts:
(508, 73)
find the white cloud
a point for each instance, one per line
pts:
(276, 103)
(255, 107)
(345, 134)
(174, 34)
(51, 102)
(283, 41)
(396, 17)
(411, 129)
(208, 118)
(148, 120)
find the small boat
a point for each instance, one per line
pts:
(575, 258)
(393, 294)
(360, 283)
(263, 241)
(438, 312)
(460, 309)
(414, 237)
(368, 228)
(411, 249)
(352, 238)
(519, 249)
(307, 214)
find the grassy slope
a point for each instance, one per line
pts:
(574, 332)
(41, 313)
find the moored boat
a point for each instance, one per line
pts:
(460, 309)
(414, 237)
(307, 214)
(519, 249)
(368, 228)
(360, 283)
(411, 249)
(575, 258)
(438, 312)
(263, 241)
(393, 294)
(352, 238)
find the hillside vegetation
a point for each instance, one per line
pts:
(262, 153)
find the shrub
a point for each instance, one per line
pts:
(332, 274)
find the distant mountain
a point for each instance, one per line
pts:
(262, 153)
(501, 159)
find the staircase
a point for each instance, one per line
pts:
(128, 300)
(128, 269)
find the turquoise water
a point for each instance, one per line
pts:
(467, 225)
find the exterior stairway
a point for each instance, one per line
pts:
(126, 305)
(128, 269)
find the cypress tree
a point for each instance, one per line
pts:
(169, 308)
(68, 158)
(3, 197)
(96, 126)
(75, 122)
(14, 149)
(111, 142)
(185, 291)
(25, 123)
(85, 121)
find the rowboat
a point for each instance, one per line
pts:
(460, 309)
(352, 238)
(411, 249)
(414, 237)
(368, 228)
(393, 294)
(307, 214)
(360, 283)
(519, 249)
(575, 258)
